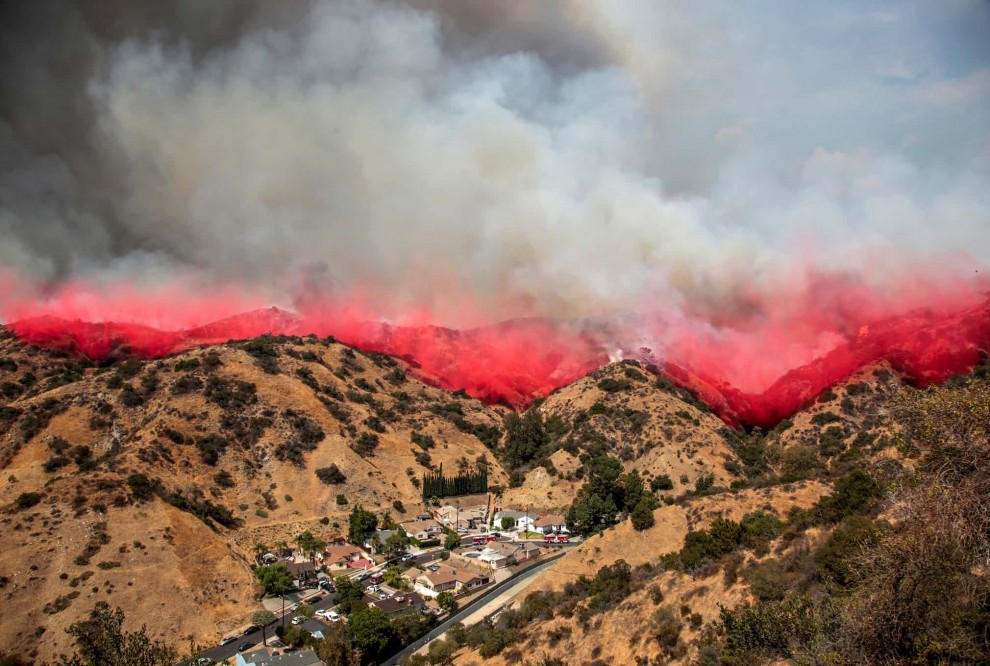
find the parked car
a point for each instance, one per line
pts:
(245, 646)
(204, 661)
(383, 595)
(328, 586)
(333, 616)
(323, 612)
(297, 620)
(250, 630)
(295, 606)
(374, 588)
(228, 640)
(406, 557)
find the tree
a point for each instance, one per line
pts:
(275, 578)
(508, 522)
(310, 545)
(452, 539)
(305, 610)
(372, 632)
(262, 619)
(393, 576)
(361, 523)
(633, 490)
(591, 512)
(397, 543)
(642, 516)
(441, 652)
(447, 601)
(349, 592)
(260, 549)
(662, 482)
(387, 522)
(101, 641)
(525, 437)
(336, 649)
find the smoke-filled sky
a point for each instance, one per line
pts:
(480, 160)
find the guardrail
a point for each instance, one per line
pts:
(468, 610)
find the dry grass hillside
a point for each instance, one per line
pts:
(623, 633)
(626, 412)
(175, 468)
(233, 435)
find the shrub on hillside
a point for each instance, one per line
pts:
(331, 475)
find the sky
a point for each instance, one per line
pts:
(461, 162)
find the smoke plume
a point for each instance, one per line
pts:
(739, 189)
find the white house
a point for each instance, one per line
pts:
(524, 520)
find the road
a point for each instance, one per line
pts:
(221, 652)
(508, 587)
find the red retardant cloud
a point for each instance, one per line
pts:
(754, 369)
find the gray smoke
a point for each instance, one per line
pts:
(560, 157)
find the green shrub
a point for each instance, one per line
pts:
(835, 559)
(642, 516)
(831, 441)
(855, 493)
(662, 482)
(141, 488)
(612, 385)
(366, 444)
(768, 580)
(799, 463)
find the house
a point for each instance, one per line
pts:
(550, 523)
(422, 530)
(302, 570)
(523, 520)
(342, 556)
(266, 657)
(473, 517)
(400, 604)
(375, 541)
(439, 578)
(499, 555)
(468, 580)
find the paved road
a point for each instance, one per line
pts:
(471, 609)
(221, 652)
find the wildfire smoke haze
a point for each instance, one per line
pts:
(765, 200)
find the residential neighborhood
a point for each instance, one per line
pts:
(444, 557)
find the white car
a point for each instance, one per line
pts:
(297, 620)
(373, 588)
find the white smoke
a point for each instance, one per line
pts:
(566, 158)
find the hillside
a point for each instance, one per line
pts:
(232, 434)
(120, 469)
(199, 456)
(625, 411)
(860, 545)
